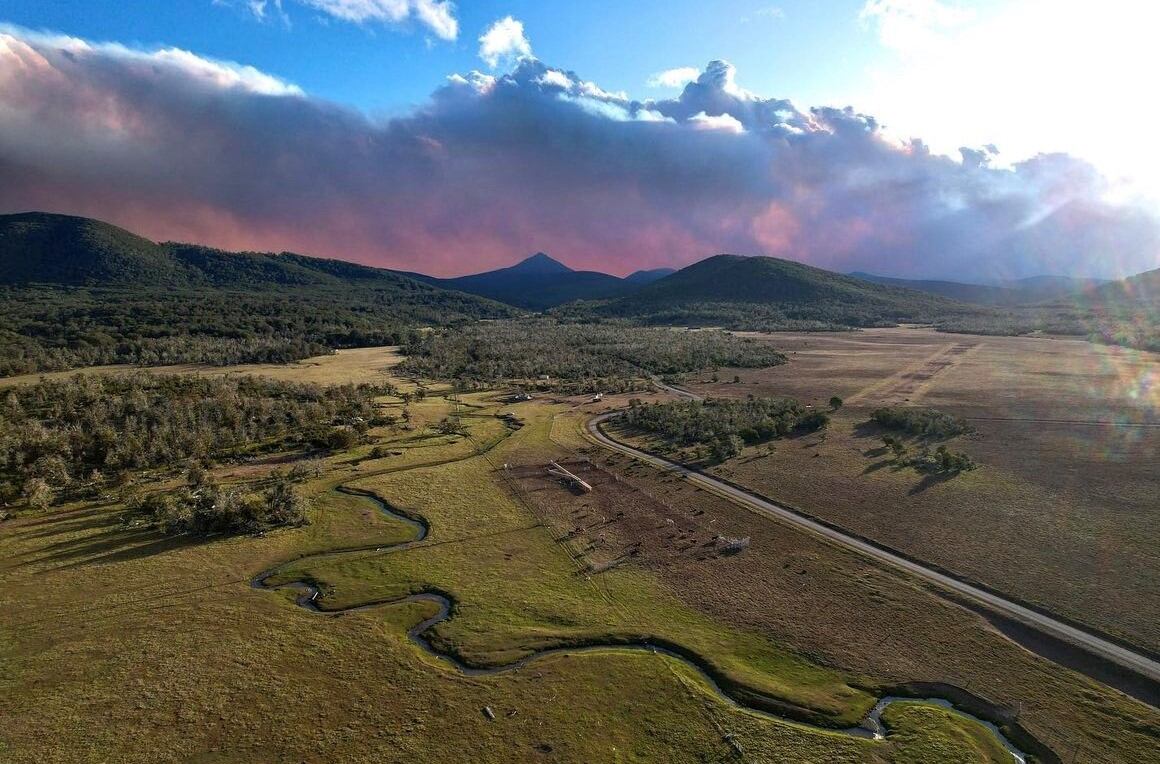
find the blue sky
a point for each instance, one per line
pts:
(785, 49)
(989, 138)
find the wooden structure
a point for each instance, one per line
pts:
(558, 471)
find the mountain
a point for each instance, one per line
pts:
(979, 294)
(766, 292)
(1041, 288)
(60, 249)
(648, 277)
(1125, 312)
(77, 292)
(536, 283)
(1027, 291)
(40, 248)
(1135, 299)
(1143, 288)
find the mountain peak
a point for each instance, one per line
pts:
(540, 263)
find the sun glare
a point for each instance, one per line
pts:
(1063, 79)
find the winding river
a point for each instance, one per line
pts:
(870, 727)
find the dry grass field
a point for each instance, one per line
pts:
(1064, 510)
(829, 604)
(355, 366)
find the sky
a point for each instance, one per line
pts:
(921, 138)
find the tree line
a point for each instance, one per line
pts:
(586, 357)
(57, 328)
(721, 427)
(88, 432)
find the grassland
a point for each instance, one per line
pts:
(777, 617)
(121, 645)
(1062, 513)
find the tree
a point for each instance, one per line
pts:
(813, 421)
(727, 447)
(451, 426)
(195, 477)
(835, 403)
(737, 379)
(283, 505)
(895, 445)
(38, 493)
(340, 438)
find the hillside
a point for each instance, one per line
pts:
(1028, 291)
(1142, 289)
(62, 250)
(1125, 312)
(769, 293)
(649, 276)
(536, 283)
(76, 292)
(979, 294)
(1052, 287)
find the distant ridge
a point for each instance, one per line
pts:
(980, 294)
(649, 276)
(1028, 291)
(753, 292)
(536, 283)
(63, 250)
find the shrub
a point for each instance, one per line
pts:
(211, 509)
(927, 423)
(812, 422)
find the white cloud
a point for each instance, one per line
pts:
(190, 67)
(556, 78)
(262, 10)
(259, 7)
(438, 16)
(674, 78)
(504, 41)
(726, 122)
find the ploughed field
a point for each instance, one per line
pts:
(120, 644)
(1063, 511)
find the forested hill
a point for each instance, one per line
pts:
(76, 292)
(980, 294)
(41, 248)
(1019, 292)
(769, 293)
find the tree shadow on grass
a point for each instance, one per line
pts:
(930, 480)
(70, 522)
(869, 429)
(879, 465)
(114, 545)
